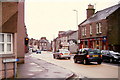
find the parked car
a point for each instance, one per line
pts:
(110, 56)
(62, 53)
(87, 55)
(34, 50)
(38, 51)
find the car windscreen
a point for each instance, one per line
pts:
(105, 52)
(91, 52)
(116, 54)
(95, 52)
(64, 51)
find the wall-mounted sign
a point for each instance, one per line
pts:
(10, 60)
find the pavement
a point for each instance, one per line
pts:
(34, 68)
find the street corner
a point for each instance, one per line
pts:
(29, 69)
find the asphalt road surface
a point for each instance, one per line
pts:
(92, 70)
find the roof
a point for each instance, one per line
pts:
(43, 41)
(99, 15)
(69, 32)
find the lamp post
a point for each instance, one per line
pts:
(76, 16)
(77, 26)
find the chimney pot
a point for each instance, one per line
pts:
(90, 6)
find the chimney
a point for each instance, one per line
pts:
(43, 38)
(60, 33)
(90, 10)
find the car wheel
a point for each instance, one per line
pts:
(68, 57)
(111, 60)
(99, 62)
(54, 56)
(75, 61)
(58, 57)
(85, 62)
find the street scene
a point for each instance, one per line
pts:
(59, 40)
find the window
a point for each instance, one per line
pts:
(6, 44)
(85, 31)
(42, 44)
(45, 44)
(98, 28)
(90, 29)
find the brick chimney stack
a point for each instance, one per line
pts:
(90, 10)
(43, 38)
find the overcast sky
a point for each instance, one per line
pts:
(44, 18)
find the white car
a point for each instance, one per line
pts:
(62, 53)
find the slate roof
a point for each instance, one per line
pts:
(69, 32)
(99, 15)
(43, 41)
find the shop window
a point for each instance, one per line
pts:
(86, 44)
(97, 45)
(6, 43)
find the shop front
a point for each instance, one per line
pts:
(94, 43)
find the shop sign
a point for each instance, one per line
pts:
(104, 38)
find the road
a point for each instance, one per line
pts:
(90, 71)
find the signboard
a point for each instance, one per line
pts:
(10, 60)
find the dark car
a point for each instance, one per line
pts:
(110, 56)
(38, 51)
(87, 55)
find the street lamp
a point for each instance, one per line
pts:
(76, 16)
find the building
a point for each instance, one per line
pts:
(44, 44)
(66, 40)
(63, 39)
(101, 29)
(12, 34)
(33, 43)
(21, 33)
(73, 41)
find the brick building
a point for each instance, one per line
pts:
(44, 44)
(12, 34)
(101, 29)
(66, 40)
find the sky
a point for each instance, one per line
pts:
(44, 18)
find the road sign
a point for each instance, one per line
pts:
(10, 60)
